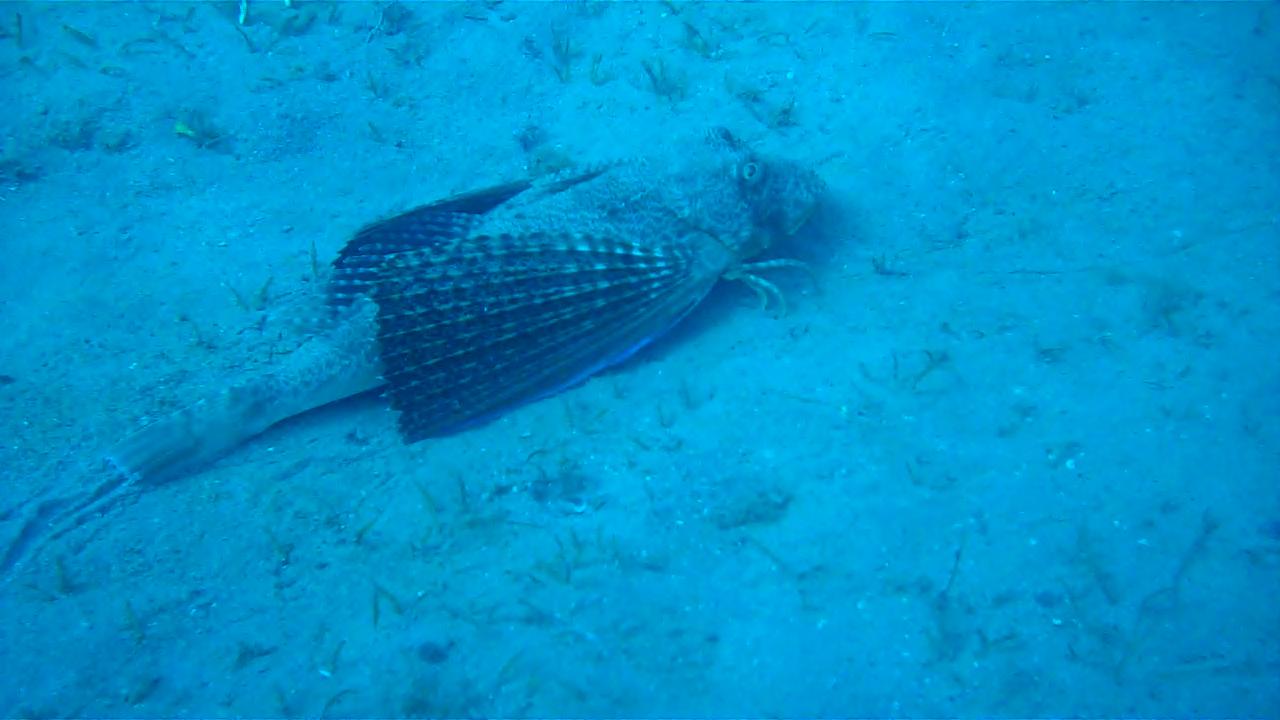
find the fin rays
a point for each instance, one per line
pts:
(429, 226)
(471, 329)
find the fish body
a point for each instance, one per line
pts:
(471, 305)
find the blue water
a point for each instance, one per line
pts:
(1014, 453)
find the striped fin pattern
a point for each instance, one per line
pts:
(356, 266)
(474, 328)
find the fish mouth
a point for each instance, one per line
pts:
(801, 221)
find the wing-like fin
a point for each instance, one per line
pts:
(472, 329)
(423, 227)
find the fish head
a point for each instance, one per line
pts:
(782, 196)
(774, 196)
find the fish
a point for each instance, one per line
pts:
(459, 310)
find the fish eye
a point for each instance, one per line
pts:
(750, 171)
